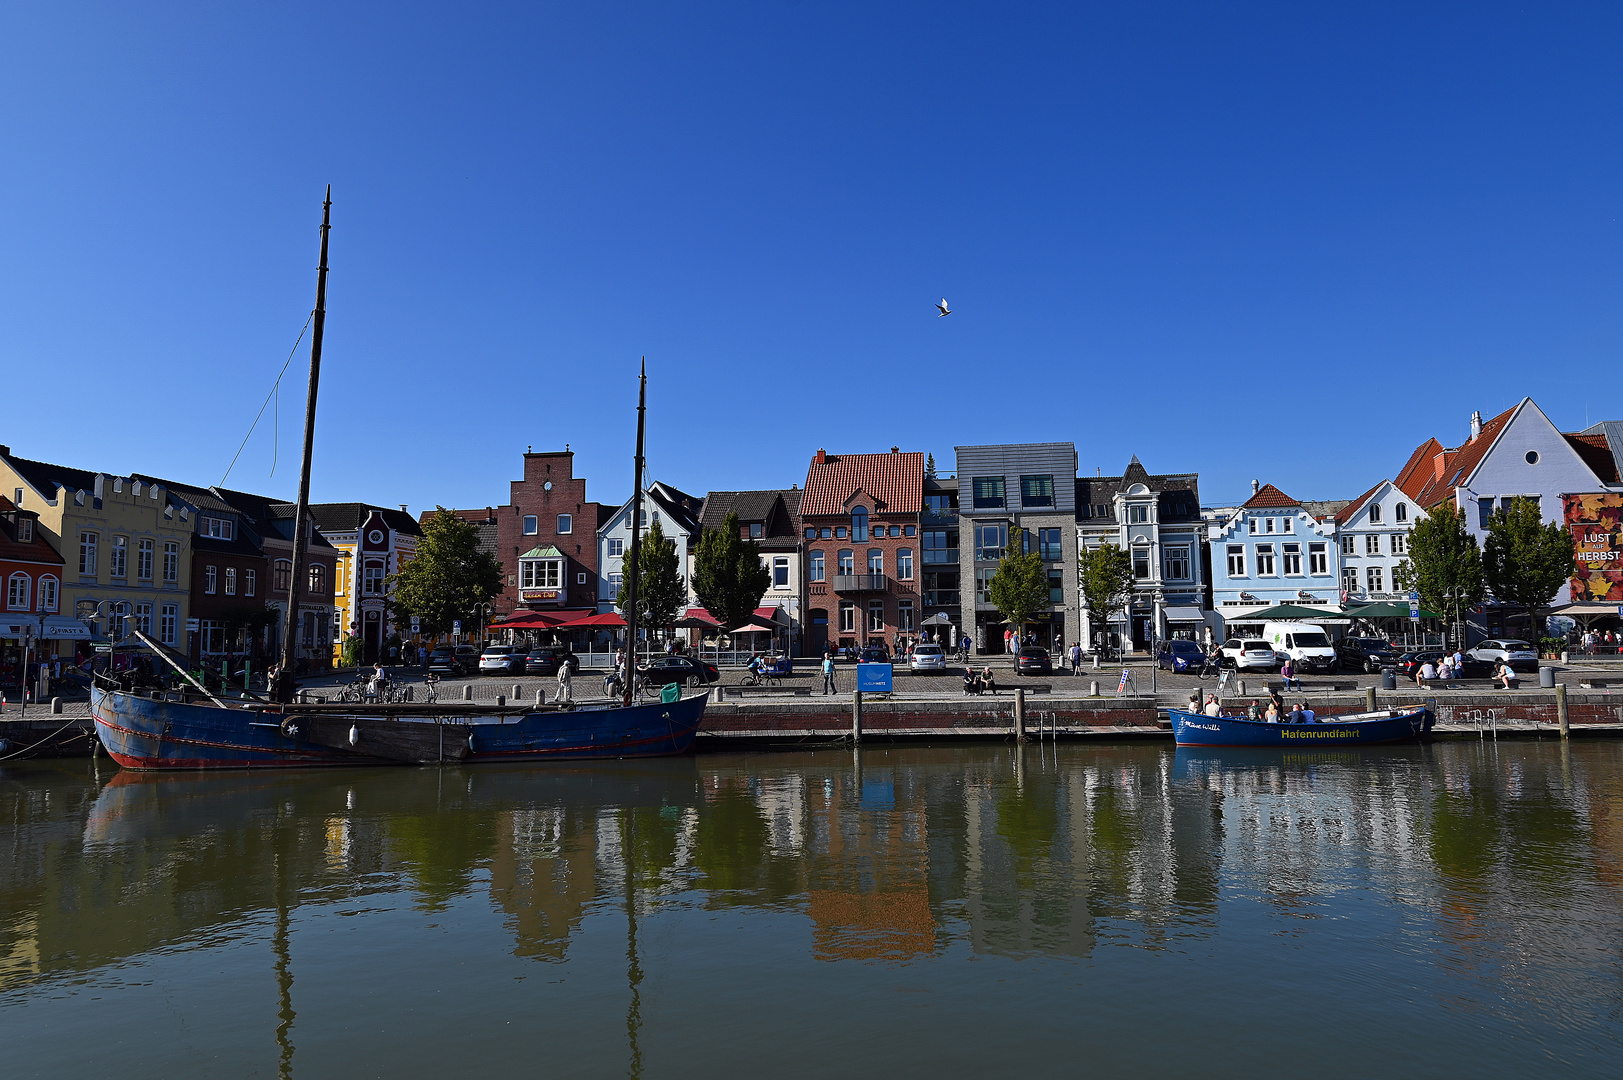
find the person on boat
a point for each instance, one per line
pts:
(566, 688)
(1212, 707)
(1296, 715)
(1253, 712)
(1272, 715)
(1276, 702)
(1427, 672)
(1308, 716)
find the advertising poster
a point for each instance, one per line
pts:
(1596, 521)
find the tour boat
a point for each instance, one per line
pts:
(148, 727)
(1353, 729)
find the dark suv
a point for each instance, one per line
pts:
(1365, 654)
(545, 660)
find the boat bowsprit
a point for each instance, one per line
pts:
(1353, 729)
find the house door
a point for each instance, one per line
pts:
(371, 637)
(819, 631)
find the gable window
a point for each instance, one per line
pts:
(1138, 513)
(25, 530)
(171, 561)
(814, 565)
(1037, 491)
(532, 525)
(211, 577)
(566, 523)
(1374, 513)
(1177, 563)
(1291, 556)
(848, 617)
(87, 552)
(282, 574)
(231, 581)
(845, 561)
(780, 571)
(617, 547)
(250, 580)
(1265, 560)
(47, 593)
(904, 564)
(143, 560)
(988, 492)
(859, 524)
(1401, 511)
(19, 592)
(1236, 560)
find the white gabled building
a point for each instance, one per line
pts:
(678, 515)
(1372, 533)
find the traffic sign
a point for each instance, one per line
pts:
(456, 627)
(416, 624)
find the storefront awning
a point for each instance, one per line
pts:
(63, 626)
(1184, 614)
(15, 627)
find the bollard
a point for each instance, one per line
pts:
(856, 716)
(1369, 699)
(1095, 661)
(518, 691)
(1093, 688)
(501, 701)
(467, 692)
(1019, 714)
(1242, 688)
(1561, 708)
(56, 706)
(540, 697)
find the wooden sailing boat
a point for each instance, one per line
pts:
(194, 729)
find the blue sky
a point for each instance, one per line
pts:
(1277, 241)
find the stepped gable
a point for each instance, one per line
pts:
(895, 482)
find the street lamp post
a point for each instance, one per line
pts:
(1456, 593)
(483, 610)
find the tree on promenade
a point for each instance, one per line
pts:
(1105, 580)
(1444, 563)
(448, 578)
(660, 592)
(728, 577)
(1526, 561)
(1020, 586)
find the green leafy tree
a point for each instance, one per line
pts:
(1526, 561)
(448, 578)
(1444, 563)
(728, 577)
(1105, 580)
(1020, 586)
(660, 592)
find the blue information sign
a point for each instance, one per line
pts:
(874, 678)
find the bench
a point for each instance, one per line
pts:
(1595, 684)
(1306, 687)
(766, 691)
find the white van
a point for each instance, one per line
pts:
(1306, 644)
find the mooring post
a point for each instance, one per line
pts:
(518, 691)
(1561, 707)
(1242, 687)
(501, 701)
(467, 691)
(1019, 714)
(540, 697)
(1369, 699)
(856, 716)
(1093, 688)
(56, 706)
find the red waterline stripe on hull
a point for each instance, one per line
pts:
(317, 754)
(277, 759)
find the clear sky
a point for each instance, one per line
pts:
(1283, 241)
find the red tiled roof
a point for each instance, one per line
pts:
(1345, 514)
(1597, 454)
(1268, 496)
(1412, 477)
(37, 550)
(1459, 463)
(894, 481)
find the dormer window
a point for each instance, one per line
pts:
(217, 528)
(25, 530)
(859, 523)
(757, 530)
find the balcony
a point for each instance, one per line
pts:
(860, 583)
(940, 556)
(940, 598)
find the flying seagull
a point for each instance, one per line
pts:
(945, 310)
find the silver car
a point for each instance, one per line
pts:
(501, 659)
(1248, 654)
(927, 658)
(1518, 654)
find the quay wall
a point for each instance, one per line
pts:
(881, 717)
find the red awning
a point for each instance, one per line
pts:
(528, 620)
(697, 616)
(608, 618)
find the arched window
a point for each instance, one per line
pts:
(876, 561)
(846, 562)
(859, 524)
(318, 578)
(282, 576)
(47, 593)
(19, 591)
(1374, 513)
(1402, 511)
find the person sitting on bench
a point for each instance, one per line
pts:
(972, 682)
(988, 683)
(1426, 673)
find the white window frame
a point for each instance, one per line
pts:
(1375, 578)
(143, 559)
(143, 618)
(1400, 544)
(815, 565)
(1290, 555)
(848, 617)
(49, 592)
(617, 547)
(566, 524)
(25, 530)
(168, 616)
(118, 557)
(780, 571)
(1236, 561)
(876, 617)
(540, 573)
(1265, 560)
(904, 564)
(1372, 544)
(1318, 559)
(19, 592)
(1349, 545)
(231, 581)
(210, 579)
(532, 525)
(171, 561)
(1170, 557)
(904, 616)
(89, 541)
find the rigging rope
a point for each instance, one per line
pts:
(276, 422)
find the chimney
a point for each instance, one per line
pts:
(402, 508)
(896, 449)
(821, 458)
(1256, 486)
(1476, 425)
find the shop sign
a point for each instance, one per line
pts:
(1596, 523)
(543, 596)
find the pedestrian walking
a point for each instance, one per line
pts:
(828, 672)
(565, 687)
(1076, 657)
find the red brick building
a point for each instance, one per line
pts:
(31, 574)
(859, 521)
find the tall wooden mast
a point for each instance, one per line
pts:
(283, 690)
(636, 543)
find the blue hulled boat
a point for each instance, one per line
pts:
(1355, 729)
(167, 731)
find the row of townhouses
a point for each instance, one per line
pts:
(869, 548)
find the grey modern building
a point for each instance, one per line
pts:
(1029, 486)
(1156, 519)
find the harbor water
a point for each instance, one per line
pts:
(1453, 910)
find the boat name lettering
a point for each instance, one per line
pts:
(1323, 733)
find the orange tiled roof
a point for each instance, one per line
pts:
(1345, 514)
(1437, 484)
(894, 481)
(1268, 496)
(1412, 477)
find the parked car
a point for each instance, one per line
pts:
(1307, 645)
(544, 660)
(453, 660)
(1518, 654)
(874, 654)
(1410, 662)
(1365, 654)
(928, 658)
(501, 660)
(1033, 660)
(1181, 655)
(1247, 654)
(679, 669)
